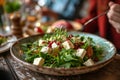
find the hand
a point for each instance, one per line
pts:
(114, 15)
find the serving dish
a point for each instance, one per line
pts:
(109, 52)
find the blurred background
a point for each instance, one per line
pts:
(28, 17)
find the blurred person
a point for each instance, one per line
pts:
(108, 25)
(62, 9)
(58, 9)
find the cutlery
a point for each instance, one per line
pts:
(92, 19)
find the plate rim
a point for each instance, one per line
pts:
(7, 47)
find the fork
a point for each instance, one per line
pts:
(92, 19)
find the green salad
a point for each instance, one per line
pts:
(62, 50)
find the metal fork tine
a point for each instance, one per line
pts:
(92, 19)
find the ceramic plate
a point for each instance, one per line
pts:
(109, 53)
(7, 46)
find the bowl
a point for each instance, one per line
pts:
(109, 52)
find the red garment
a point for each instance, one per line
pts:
(105, 29)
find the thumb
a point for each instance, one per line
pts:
(110, 3)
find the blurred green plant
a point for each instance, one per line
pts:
(11, 6)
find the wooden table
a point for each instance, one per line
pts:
(19, 72)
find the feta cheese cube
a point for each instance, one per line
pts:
(38, 61)
(89, 62)
(45, 49)
(81, 53)
(54, 45)
(55, 49)
(68, 44)
(41, 42)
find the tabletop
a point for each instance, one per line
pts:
(19, 72)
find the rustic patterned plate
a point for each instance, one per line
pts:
(109, 53)
(7, 46)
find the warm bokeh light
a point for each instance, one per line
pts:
(2, 2)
